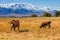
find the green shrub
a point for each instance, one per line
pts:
(46, 14)
(33, 15)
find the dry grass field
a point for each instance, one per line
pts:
(32, 25)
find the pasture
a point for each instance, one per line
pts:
(31, 24)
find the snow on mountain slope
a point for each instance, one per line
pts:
(19, 5)
(51, 11)
(19, 8)
(22, 8)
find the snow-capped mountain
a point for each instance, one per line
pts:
(19, 6)
(22, 8)
(51, 11)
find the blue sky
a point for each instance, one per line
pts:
(53, 4)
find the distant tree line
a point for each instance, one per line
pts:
(46, 14)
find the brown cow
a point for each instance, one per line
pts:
(44, 24)
(14, 24)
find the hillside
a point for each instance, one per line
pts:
(17, 9)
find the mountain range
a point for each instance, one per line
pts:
(20, 9)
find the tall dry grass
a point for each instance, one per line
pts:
(32, 25)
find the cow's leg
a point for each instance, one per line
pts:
(18, 28)
(14, 28)
(49, 25)
(11, 27)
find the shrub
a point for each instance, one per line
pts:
(57, 14)
(46, 14)
(33, 15)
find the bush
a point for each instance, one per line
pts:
(33, 15)
(46, 14)
(57, 14)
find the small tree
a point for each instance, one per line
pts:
(33, 15)
(57, 14)
(46, 14)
